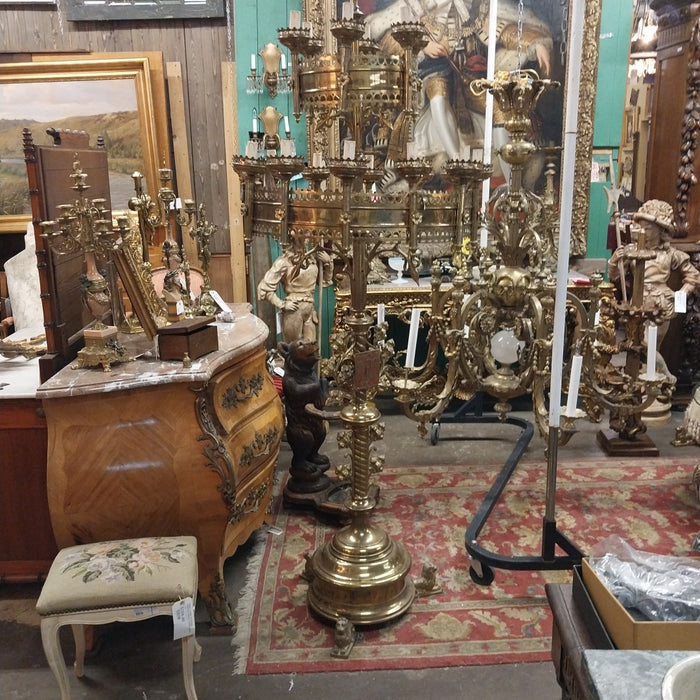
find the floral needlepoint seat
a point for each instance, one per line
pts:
(120, 581)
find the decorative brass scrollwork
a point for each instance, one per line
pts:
(244, 390)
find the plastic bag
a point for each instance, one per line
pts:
(661, 587)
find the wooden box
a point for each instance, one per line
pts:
(629, 633)
(194, 336)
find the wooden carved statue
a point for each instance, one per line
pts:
(304, 397)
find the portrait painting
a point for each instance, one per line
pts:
(451, 119)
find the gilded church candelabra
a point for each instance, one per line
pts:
(494, 325)
(84, 225)
(361, 573)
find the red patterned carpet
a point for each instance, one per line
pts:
(650, 503)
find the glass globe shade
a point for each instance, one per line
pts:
(505, 347)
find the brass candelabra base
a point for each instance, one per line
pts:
(361, 574)
(101, 349)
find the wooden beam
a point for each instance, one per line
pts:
(181, 149)
(229, 94)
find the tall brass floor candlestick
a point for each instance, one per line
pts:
(361, 573)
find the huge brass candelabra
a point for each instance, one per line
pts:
(494, 324)
(85, 225)
(361, 573)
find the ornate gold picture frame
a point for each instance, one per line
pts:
(94, 75)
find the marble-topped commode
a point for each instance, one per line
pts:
(628, 675)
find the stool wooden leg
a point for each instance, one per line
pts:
(191, 652)
(50, 627)
(79, 638)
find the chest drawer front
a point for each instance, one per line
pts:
(240, 390)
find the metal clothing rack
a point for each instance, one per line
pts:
(483, 561)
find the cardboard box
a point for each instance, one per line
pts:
(193, 336)
(628, 633)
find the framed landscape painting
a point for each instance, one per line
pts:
(110, 98)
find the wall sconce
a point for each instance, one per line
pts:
(275, 75)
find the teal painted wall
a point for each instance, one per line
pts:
(613, 57)
(257, 22)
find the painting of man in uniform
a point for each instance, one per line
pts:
(451, 121)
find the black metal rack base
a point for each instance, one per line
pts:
(483, 561)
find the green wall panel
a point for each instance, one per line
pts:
(613, 58)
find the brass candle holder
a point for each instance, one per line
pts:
(85, 225)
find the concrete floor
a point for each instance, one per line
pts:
(141, 661)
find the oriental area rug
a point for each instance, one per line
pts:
(649, 503)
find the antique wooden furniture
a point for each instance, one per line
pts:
(168, 448)
(575, 627)
(674, 95)
(48, 173)
(118, 581)
(27, 545)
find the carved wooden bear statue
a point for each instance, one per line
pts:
(304, 397)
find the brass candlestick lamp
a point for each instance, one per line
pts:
(85, 225)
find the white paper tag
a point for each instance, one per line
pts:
(180, 307)
(680, 302)
(183, 618)
(219, 300)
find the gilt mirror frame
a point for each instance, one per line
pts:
(321, 12)
(133, 68)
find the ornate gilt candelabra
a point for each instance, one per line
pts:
(361, 573)
(161, 212)
(613, 351)
(494, 324)
(85, 225)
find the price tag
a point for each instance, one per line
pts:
(680, 302)
(219, 300)
(183, 618)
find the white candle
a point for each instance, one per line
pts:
(412, 338)
(483, 238)
(348, 149)
(316, 159)
(652, 332)
(574, 379)
(255, 125)
(286, 124)
(573, 85)
(283, 61)
(252, 61)
(295, 19)
(380, 314)
(347, 10)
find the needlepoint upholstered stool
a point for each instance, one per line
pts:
(118, 581)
